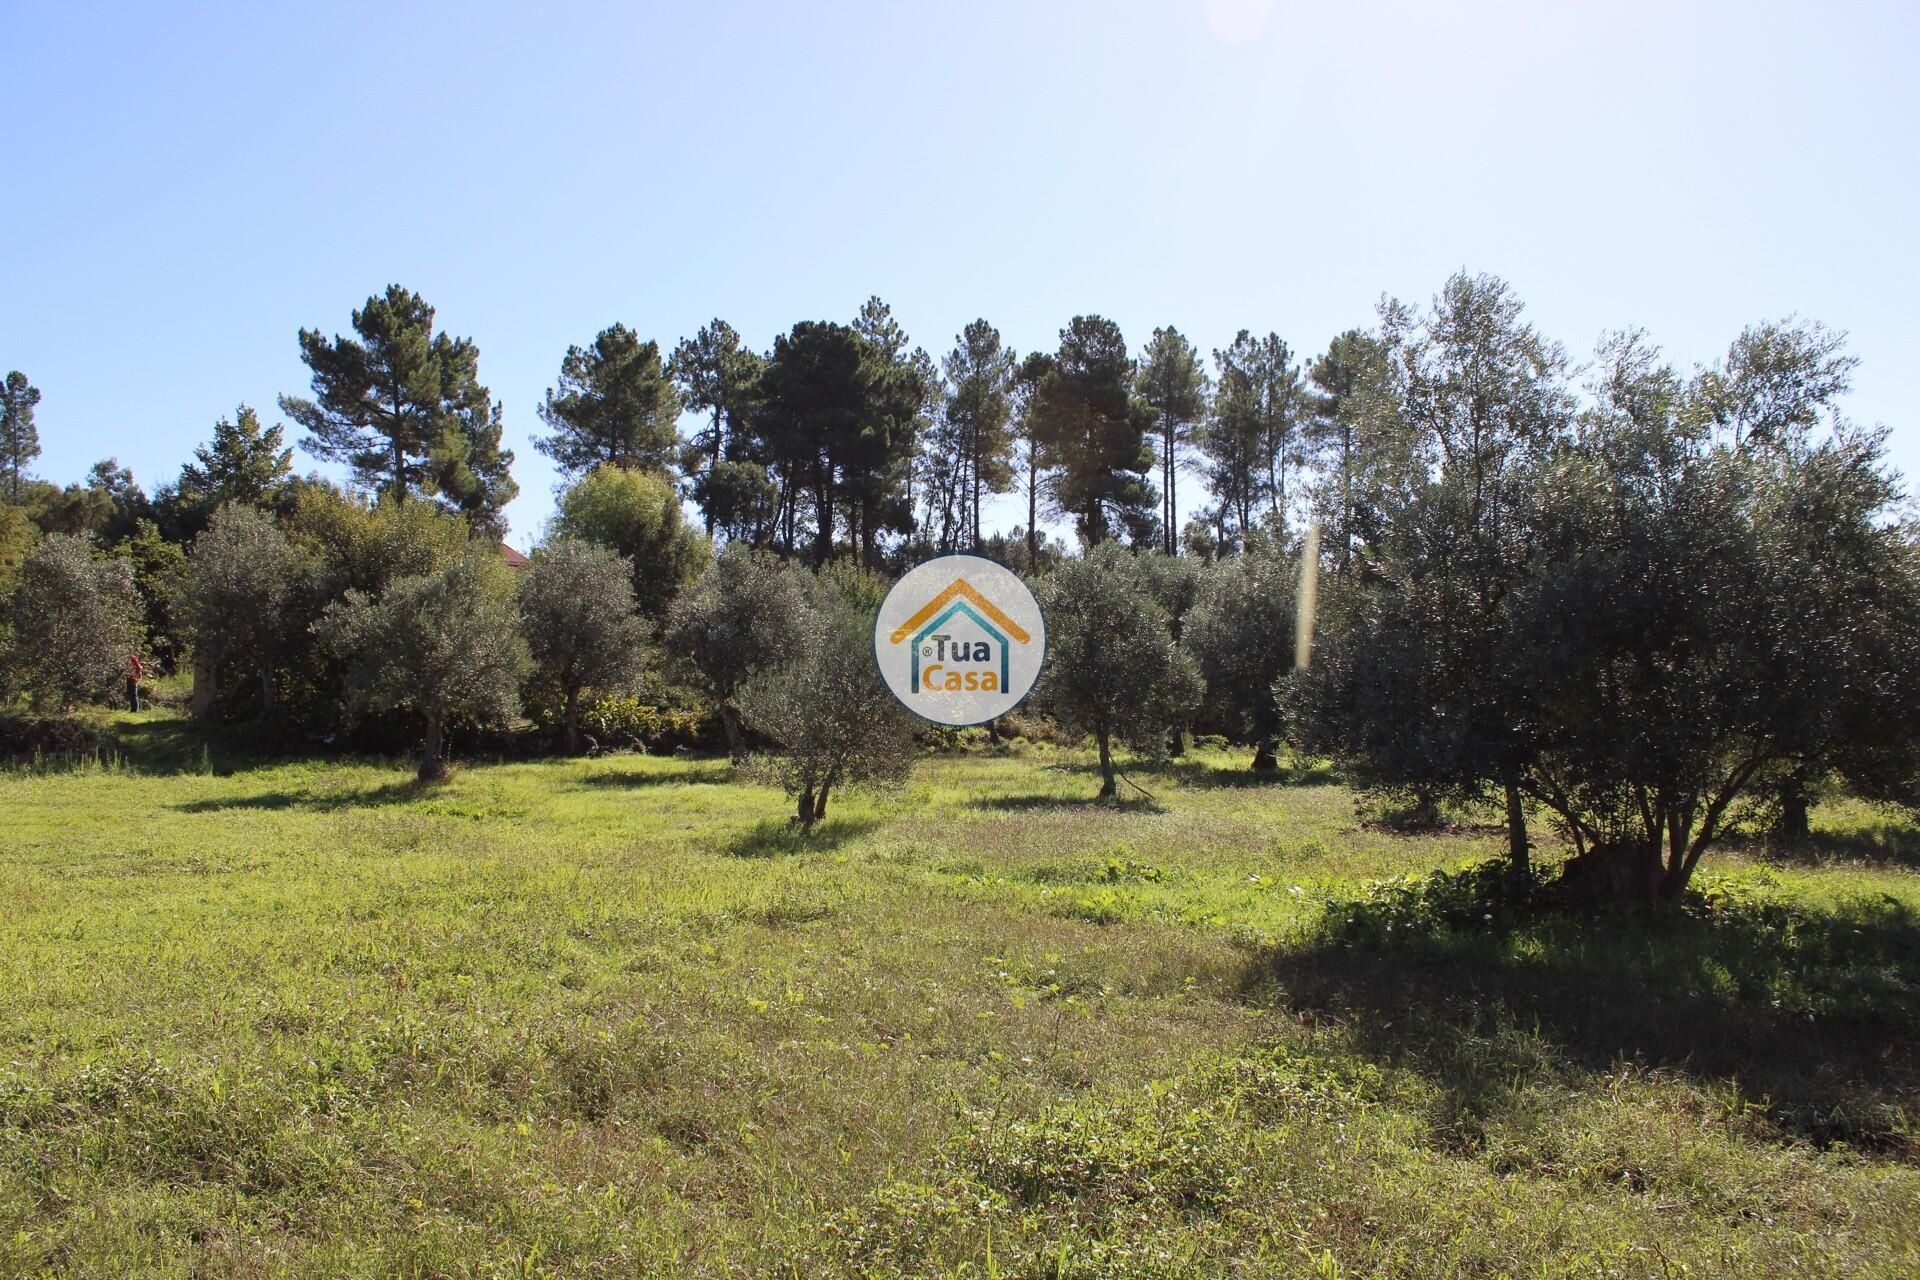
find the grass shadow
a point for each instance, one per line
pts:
(1814, 1014)
(1068, 804)
(783, 838)
(1205, 773)
(1888, 843)
(316, 802)
(706, 773)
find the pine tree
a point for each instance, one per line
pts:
(403, 406)
(244, 463)
(615, 403)
(1173, 383)
(19, 438)
(1092, 432)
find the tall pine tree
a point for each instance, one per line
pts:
(404, 407)
(19, 438)
(1092, 433)
(615, 403)
(1173, 383)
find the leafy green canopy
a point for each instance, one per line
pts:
(577, 615)
(237, 601)
(1172, 383)
(1645, 618)
(444, 645)
(1113, 669)
(832, 721)
(244, 462)
(637, 515)
(733, 623)
(75, 619)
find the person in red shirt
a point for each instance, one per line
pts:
(134, 670)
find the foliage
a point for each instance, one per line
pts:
(1346, 412)
(403, 406)
(637, 515)
(838, 409)
(1091, 433)
(577, 615)
(1666, 709)
(244, 462)
(1240, 633)
(615, 404)
(734, 622)
(965, 457)
(365, 547)
(1112, 669)
(159, 573)
(1415, 680)
(623, 720)
(718, 376)
(240, 601)
(19, 438)
(441, 645)
(18, 533)
(74, 619)
(1173, 384)
(832, 720)
(1251, 436)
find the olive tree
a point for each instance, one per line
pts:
(1710, 623)
(1474, 402)
(243, 576)
(75, 619)
(577, 615)
(1113, 669)
(442, 645)
(734, 621)
(1240, 632)
(832, 719)
(1700, 618)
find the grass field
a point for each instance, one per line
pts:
(614, 1017)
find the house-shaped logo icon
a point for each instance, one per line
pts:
(959, 639)
(959, 598)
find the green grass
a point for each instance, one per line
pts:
(617, 1017)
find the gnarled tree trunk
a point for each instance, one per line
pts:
(1612, 875)
(433, 768)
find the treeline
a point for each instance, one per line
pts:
(1645, 608)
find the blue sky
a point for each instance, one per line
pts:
(188, 186)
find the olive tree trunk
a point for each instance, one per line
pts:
(433, 767)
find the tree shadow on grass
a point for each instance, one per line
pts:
(1815, 1014)
(1205, 773)
(1198, 774)
(316, 801)
(706, 773)
(1889, 843)
(1134, 803)
(783, 838)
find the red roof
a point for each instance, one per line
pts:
(513, 558)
